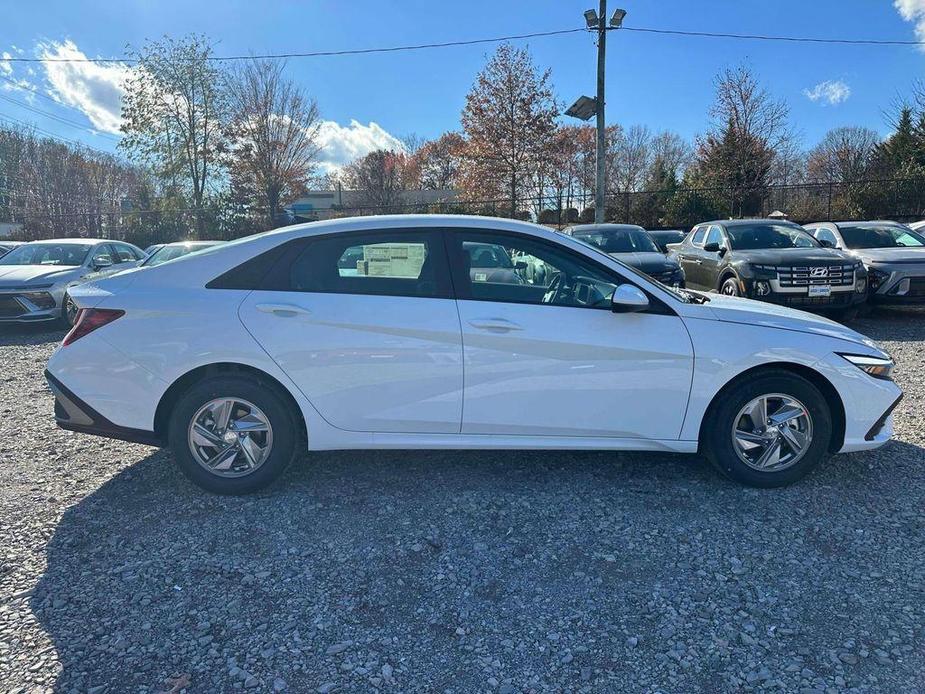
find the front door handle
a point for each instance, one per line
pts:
(494, 325)
(283, 310)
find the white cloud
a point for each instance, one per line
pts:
(829, 92)
(913, 11)
(96, 89)
(342, 144)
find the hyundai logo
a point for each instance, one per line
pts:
(819, 272)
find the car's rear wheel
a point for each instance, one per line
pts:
(768, 430)
(233, 434)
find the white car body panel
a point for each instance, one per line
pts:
(542, 370)
(367, 363)
(629, 381)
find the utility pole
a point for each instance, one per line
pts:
(601, 154)
(586, 107)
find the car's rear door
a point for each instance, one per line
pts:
(552, 359)
(365, 325)
(690, 257)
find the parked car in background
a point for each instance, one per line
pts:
(171, 251)
(243, 356)
(490, 262)
(663, 237)
(7, 246)
(35, 278)
(917, 226)
(632, 245)
(771, 260)
(893, 254)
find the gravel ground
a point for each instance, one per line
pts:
(456, 572)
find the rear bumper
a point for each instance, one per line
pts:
(74, 414)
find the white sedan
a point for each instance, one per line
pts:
(374, 333)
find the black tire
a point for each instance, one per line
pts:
(266, 396)
(716, 436)
(730, 287)
(68, 311)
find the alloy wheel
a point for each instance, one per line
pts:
(230, 437)
(70, 310)
(730, 288)
(772, 432)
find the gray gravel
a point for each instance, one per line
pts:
(456, 572)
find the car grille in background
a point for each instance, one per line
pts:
(803, 276)
(10, 308)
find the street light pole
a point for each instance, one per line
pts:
(599, 198)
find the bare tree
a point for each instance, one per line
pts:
(438, 161)
(843, 155)
(380, 177)
(509, 121)
(743, 104)
(172, 115)
(273, 135)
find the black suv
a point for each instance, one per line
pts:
(772, 261)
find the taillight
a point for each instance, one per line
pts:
(88, 320)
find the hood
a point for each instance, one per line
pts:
(649, 263)
(890, 255)
(19, 275)
(791, 256)
(739, 310)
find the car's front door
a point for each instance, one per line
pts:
(365, 325)
(551, 358)
(712, 261)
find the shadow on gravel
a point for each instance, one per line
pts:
(437, 570)
(38, 334)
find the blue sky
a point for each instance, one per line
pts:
(663, 82)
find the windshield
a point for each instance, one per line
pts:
(880, 236)
(620, 240)
(65, 254)
(750, 237)
(165, 253)
(486, 255)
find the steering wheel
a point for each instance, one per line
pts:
(553, 290)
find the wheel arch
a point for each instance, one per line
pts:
(832, 398)
(727, 273)
(186, 381)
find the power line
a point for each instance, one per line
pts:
(763, 37)
(317, 54)
(56, 117)
(50, 134)
(499, 39)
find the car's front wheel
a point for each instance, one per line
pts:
(233, 434)
(69, 311)
(730, 287)
(769, 429)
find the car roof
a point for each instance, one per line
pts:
(77, 240)
(605, 226)
(174, 244)
(748, 222)
(865, 223)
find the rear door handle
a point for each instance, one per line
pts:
(494, 325)
(283, 310)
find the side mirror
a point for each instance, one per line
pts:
(101, 263)
(628, 298)
(826, 243)
(714, 248)
(520, 265)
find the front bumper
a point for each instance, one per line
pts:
(74, 414)
(800, 299)
(17, 307)
(900, 285)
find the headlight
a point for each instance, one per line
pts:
(876, 277)
(762, 288)
(41, 299)
(878, 367)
